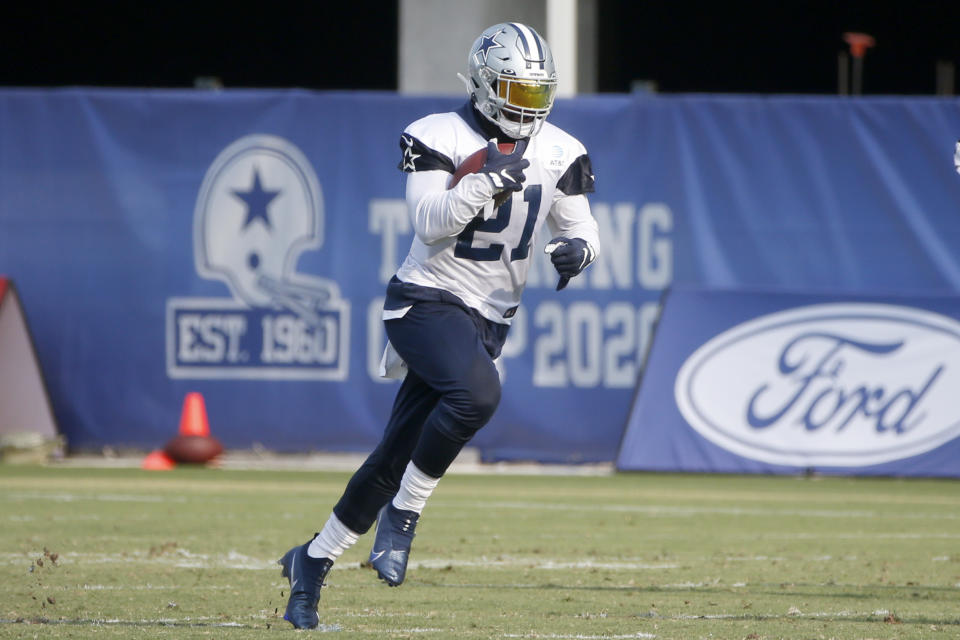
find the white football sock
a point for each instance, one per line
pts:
(415, 488)
(333, 539)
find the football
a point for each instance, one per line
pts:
(474, 161)
(193, 449)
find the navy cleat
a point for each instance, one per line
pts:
(391, 547)
(306, 577)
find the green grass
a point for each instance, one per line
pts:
(191, 553)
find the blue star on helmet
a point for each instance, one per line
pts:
(408, 155)
(487, 43)
(257, 199)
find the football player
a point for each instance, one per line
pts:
(449, 306)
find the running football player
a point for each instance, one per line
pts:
(449, 307)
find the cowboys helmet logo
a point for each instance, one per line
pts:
(259, 208)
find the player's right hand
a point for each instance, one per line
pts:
(505, 170)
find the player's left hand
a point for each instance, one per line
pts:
(570, 256)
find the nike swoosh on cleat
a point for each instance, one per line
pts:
(375, 555)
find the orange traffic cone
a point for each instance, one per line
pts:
(193, 420)
(157, 461)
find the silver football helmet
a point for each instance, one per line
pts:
(512, 78)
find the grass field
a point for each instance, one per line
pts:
(191, 553)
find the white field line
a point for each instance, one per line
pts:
(862, 536)
(183, 558)
(199, 621)
(678, 511)
(178, 557)
(648, 510)
(538, 563)
(63, 496)
(792, 614)
(685, 586)
(144, 587)
(682, 586)
(73, 517)
(210, 621)
(339, 612)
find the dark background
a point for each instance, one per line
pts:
(681, 45)
(775, 46)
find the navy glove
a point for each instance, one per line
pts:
(570, 256)
(505, 170)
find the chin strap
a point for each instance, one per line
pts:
(466, 83)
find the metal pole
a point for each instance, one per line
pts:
(856, 87)
(946, 72)
(562, 36)
(859, 43)
(843, 74)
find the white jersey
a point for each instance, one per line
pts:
(461, 244)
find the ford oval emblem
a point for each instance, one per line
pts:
(831, 385)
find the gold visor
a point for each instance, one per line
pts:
(526, 94)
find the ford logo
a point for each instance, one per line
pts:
(842, 385)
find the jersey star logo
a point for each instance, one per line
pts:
(487, 43)
(408, 155)
(257, 199)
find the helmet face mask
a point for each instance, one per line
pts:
(512, 78)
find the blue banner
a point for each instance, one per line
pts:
(781, 383)
(238, 243)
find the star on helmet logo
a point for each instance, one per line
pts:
(408, 155)
(257, 199)
(487, 43)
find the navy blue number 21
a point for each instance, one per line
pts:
(531, 195)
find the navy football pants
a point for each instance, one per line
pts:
(451, 390)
